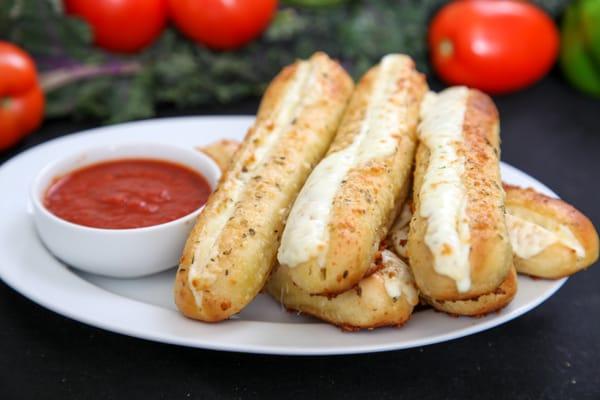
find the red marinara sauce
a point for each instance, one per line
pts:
(127, 193)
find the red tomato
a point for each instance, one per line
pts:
(122, 25)
(21, 98)
(222, 24)
(497, 46)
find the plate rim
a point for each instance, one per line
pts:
(12, 280)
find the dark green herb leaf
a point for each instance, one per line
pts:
(177, 71)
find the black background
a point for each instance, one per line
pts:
(552, 352)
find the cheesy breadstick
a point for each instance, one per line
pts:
(458, 245)
(350, 199)
(385, 298)
(550, 238)
(232, 248)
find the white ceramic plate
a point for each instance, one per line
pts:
(144, 307)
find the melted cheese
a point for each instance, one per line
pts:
(267, 134)
(397, 278)
(529, 239)
(306, 233)
(443, 195)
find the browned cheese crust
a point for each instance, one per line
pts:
(482, 305)
(244, 248)
(490, 255)
(366, 203)
(557, 260)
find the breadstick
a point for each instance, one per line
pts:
(458, 244)
(350, 199)
(550, 238)
(482, 305)
(385, 298)
(232, 248)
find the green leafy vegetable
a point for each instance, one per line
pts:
(86, 82)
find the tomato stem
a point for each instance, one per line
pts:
(446, 47)
(64, 76)
(5, 102)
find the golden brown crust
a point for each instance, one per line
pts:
(482, 305)
(365, 306)
(245, 246)
(366, 203)
(221, 151)
(557, 260)
(398, 234)
(490, 255)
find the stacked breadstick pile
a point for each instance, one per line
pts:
(354, 204)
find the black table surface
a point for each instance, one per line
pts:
(552, 352)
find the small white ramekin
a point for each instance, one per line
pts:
(122, 253)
